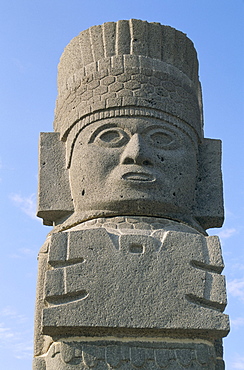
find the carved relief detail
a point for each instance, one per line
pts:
(141, 265)
(135, 355)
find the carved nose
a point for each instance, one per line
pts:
(136, 152)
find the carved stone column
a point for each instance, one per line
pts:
(128, 277)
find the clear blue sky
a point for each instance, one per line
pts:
(33, 35)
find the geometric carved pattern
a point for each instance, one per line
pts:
(139, 86)
(133, 355)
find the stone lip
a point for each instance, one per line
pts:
(138, 176)
(134, 172)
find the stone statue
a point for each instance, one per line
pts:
(128, 277)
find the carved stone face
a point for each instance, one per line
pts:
(139, 166)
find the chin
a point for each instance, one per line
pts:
(143, 205)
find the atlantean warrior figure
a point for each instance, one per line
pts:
(128, 277)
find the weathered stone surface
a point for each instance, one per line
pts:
(39, 363)
(123, 279)
(129, 278)
(41, 342)
(209, 209)
(54, 197)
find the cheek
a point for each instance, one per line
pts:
(184, 181)
(179, 165)
(187, 162)
(93, 162)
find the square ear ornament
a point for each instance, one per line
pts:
(54, 195)
(209, 204)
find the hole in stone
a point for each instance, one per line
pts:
(135, 40)
(146, 163)
(174, 194)
(43, 163)
(136, 248)
(121, 196)
(160, 158)
(83, 192)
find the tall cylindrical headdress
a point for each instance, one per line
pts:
(128, 68)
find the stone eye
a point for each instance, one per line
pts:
(110, 136)
(113, 137)
(161, 140)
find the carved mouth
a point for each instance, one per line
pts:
(138, 176)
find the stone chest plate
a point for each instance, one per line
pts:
(100, 279)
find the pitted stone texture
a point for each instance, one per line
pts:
(69, 355)
(123, 279)
(141, 166)
(209, 209)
